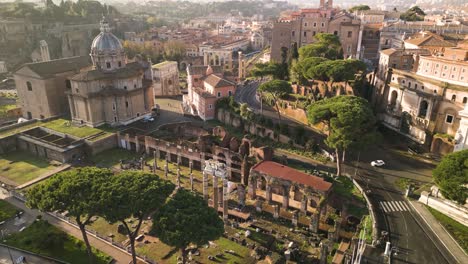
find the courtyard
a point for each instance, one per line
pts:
(19, 167)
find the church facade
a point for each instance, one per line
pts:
(113, 91)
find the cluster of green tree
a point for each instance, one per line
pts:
(350, 122)
(451, 175)
(171, 50)
(359, 8)
(413, 14)
(80, 11)
(88, 192)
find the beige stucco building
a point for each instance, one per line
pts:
(423, 97)
(114, 91)
(41, 86)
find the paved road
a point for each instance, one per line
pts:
(408, 233)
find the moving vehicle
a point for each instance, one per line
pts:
(377, 163)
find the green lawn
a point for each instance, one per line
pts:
(7, 210)
(65, 126)
(5, 108)
(45, 239)
(21, 167)
(456, 229)
(367, 223)
(346, 189)
(111, 157)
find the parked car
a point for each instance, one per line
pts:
(147, 119)
(377, 163)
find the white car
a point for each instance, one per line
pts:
(377, 163)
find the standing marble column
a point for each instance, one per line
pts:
(252, 188)
(178, 178)
(268, 192)
(285, 197)
(225, 200)
(191, 166)
(304, 204)
(205, 185)
(191, 182)
(276, 211)
(215, 193)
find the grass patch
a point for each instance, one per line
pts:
(7, 210)
(45, 239)
(5, 108)
(65, 126)
(21, 167)
(458, 231)
(367, 224)
(403, 183)
(111, 157)
(345, 188)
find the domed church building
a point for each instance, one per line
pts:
(113, 91)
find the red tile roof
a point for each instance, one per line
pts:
(281, 171)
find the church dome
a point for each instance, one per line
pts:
(106, 42)
(107, 53)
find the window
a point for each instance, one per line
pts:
(120, 64)
(313, 33)
(113, 106)
(305, 34)
(125, 87)
(323, 24)
(230, 93)
(335, 33)
(305, 24)
(219, 94)
(423, 109)
(465, 99)
(134, 86)
(350, 34)
(138, 114)
(68, 84)
(29, 114)
(437, 65)
(293, 33)
(435, 91)
(108, 65)
(29, 85)
(115, 119)
(126, 104)
(315, 24)
(453, 76)
(409, 84)
(386, 42)
(210, 106)
(77, 90)
(454, 97)
(445, 67)
(415, 86)
(449, 119)
(422, 87)
(403, 82)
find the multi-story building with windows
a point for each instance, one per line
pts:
(422, 95)
(301, 27)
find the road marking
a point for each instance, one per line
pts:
(397, 204)
(394, 206)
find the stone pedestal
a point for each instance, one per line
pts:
(276, 211)
(205, 186)
(258, 205)
(295, 218)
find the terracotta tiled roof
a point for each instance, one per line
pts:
(217, 82)
(50, 68)
(201, 69)
(130, 70)
(430, 41)
(281, 171)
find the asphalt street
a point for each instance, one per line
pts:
(411, 239)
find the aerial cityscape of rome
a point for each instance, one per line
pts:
(233, 131)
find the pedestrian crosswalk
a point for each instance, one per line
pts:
(394, 206)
